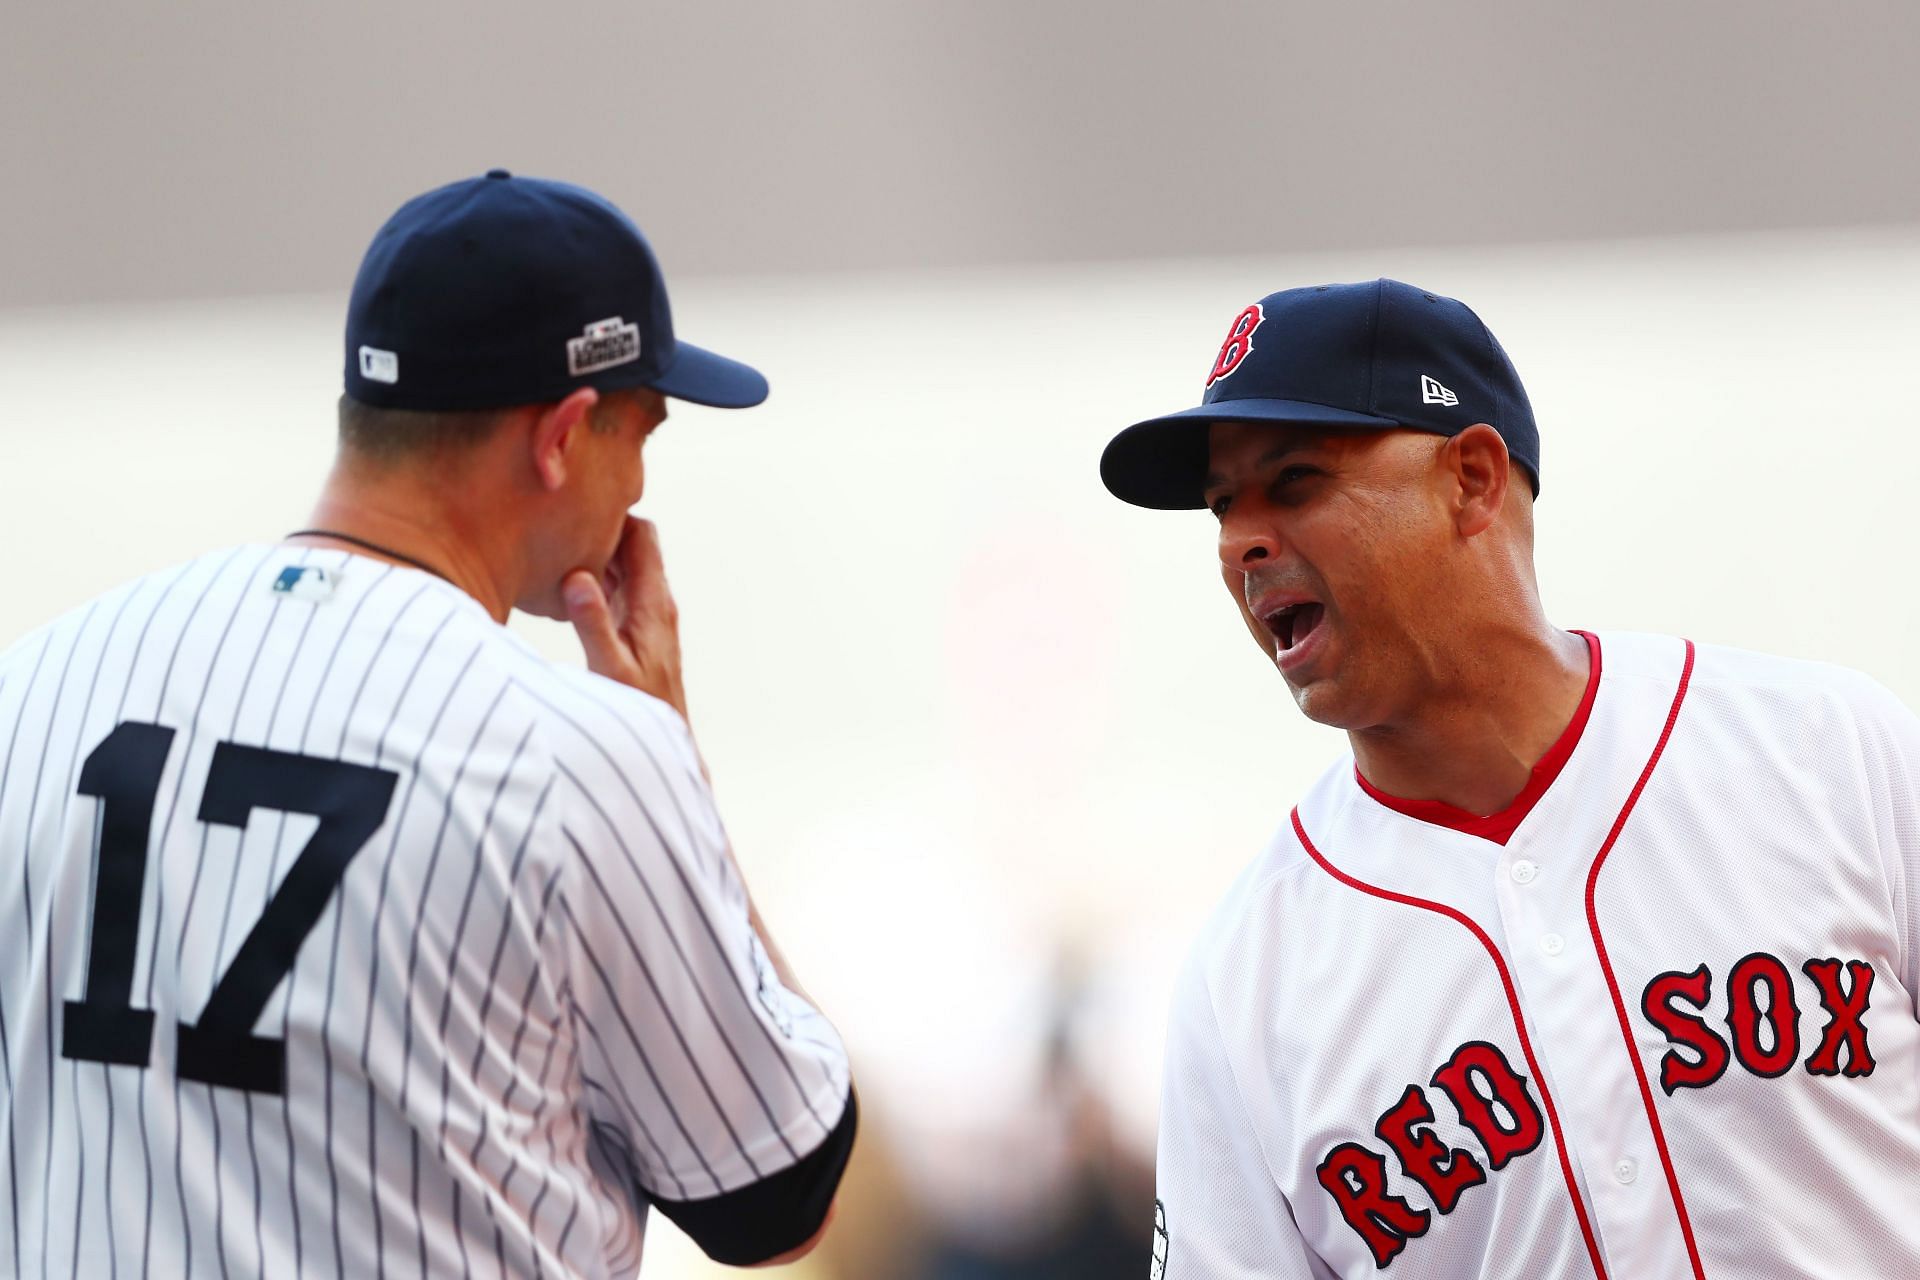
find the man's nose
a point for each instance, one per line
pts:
(1246, 541)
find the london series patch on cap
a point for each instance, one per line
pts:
(604, 344)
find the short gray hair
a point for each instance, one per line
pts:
(397, 435)
(394, 435)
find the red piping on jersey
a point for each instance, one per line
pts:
(1499, 827)
(1513, 1002)
(1613, 985)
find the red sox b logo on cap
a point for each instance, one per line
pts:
(1238, 344)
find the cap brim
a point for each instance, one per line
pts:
(702, 377)
(1162, 463)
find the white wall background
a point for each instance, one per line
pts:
(963, 708)
(220, 147)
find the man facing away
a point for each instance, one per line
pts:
(347, 937)
(1598, 955)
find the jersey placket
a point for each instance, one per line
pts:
(1454, 876)
(1540, 885)
(1565, 999)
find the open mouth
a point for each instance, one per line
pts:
(1292, 624)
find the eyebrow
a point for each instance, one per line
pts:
(1214, 479)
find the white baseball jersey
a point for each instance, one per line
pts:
(1656, 1023)
(347, 937)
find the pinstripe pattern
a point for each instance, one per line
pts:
(33, 799)
(159, 897)
(400, 701)
(370, 1004)
(200, 704)
(717, 866)
(73, 764)
(26, 880)
(302, 744)
(531, 1003)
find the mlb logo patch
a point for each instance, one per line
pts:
(307, 582)
(603, 344)
(379, 366)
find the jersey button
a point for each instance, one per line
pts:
(1625, 1171)
(1523, 872)
(1552, 943)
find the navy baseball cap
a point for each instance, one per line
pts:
(1361, 356)
(500, 291)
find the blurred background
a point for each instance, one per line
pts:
(990, 743)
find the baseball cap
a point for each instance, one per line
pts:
(502, 290)
(1360, 356)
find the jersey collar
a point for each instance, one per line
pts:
(1499, 827)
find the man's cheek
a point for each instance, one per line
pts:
(1236, 584)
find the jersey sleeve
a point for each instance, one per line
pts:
(1890, 737)
(714, 1092)
(1220, 1215)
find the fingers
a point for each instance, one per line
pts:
(592, 621)
(628, 624)
(644, 571)
(639, 541)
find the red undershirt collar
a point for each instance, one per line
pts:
(1499, 827)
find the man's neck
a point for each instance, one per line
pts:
(410, 525)
(1494, 715)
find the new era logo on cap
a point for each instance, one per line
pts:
(1432, 392)
(604, 344)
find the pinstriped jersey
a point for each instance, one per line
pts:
(1665, 1028)
(347, 937)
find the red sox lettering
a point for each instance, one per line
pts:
(1764, 1038)
(1496, 1104)
(1492, 1100)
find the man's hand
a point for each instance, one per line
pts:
(630, 628)
(628, 623)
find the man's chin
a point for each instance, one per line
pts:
(1322, 700)
(547, 604)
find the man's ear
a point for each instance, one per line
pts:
(555, 434)
(1481, 471)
